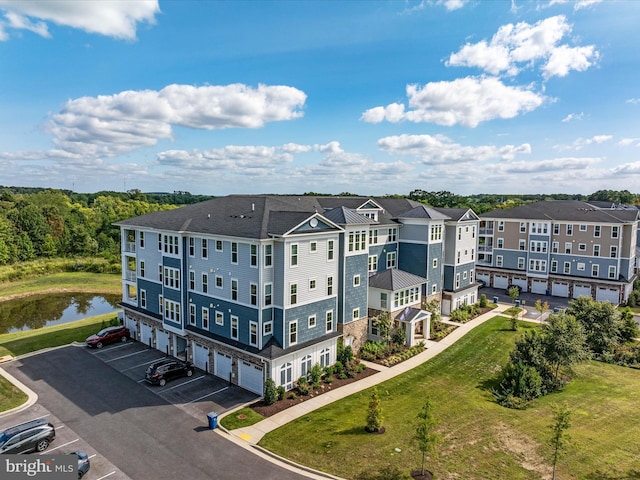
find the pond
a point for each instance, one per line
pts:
(39, 311)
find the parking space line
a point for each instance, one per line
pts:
(140, 365)
(125, 356)
(143, 380)
(103, 350)
(208, 395)
(59, 446)
(91, 456)
(107, 475)
(178, 386)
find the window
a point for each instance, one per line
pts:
(580, 267)
(268, 256)
(582, 227)
(218, 245)
(383, 301)
(582, 247)
(160, 273)
(434, 289)
(305, 365)
(612, 271)
(330, 250)
(329, 285)
(143, 298)
(498, 260)
(459, 233)
(325, 358)
(294, 255)
(254, 255)
(501, 226)
(267, 293)
(358, 240)
(329, 321)
(286, 376)
(537, 265)
(595, 270)
(267, 328)
(355, 314)
(567, 267)
(313, 247)
(373, 237)
(458, 257)
(234, 252)
(596, 250)
(435, 263)
(293, 293)
(219, 318)
(554, 266)
(312, 284)
(539, 228)
(408, 296)
(538, 246)
(205, 283)
(172, 311)
(596, 231)
(373, 263)
(219, 283)
(312, 321)
(205, 248)
(192, 280)
(356, 280)
(160, 304)
(234, 327)
(569, 229)
(457, 280)
(523, 227)
(567, 247)
(234, 289)
(473, 254)
(522, 244)
(614, 231)
(435, 232)
(556, 229)
(613, 252)
(293, 332)
(253, 333)
(141, 239)
(172, 278)
(253, 290)
(500, 242)
(391, 260)
(142, 268)
(471, 275)
(192, 247)
(554, 247)
(393, 234)
(160, 242)
(192, 314)
(205, 318)
(521, 263)
(170, 244)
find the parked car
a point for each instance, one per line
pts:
(160, 372)
(481, 283)
(35, 435)
(83, 462)
(514, 286)
(108, 335)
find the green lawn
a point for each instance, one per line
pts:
(10, 396)
(481, 440)
(72, 282)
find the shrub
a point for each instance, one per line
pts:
(345, 354)
(303, 386)
(329, 370)
(280, 391)
(398, 336)
(351, 368)
(292, 396)
(328, 380)
(483, 301)
(315, 374)
(338, 367)
(270, 391)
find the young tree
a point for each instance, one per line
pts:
(541, 307)
(559, 436)
(270, 392)
(374, 415)
(514, 292)
(565, 343)
(384, 323)
(425, 437)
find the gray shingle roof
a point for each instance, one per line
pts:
(564, 210)
(423, 211)
(456, 213)
(394, 280)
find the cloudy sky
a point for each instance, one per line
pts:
(370, 97)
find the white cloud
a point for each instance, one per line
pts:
(117, 19)
(577, 4)
(439, 149)
(627, 169)
(580, 143)
(633, 101)
(465, 101)
(514, 47)
(573, 116)
(561, 164)
(626, 142)
(109, 125)
(453, 4)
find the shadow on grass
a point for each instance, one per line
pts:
(600, 475)
(354, 431)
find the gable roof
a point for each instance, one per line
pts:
(346, 216)
(564, 210)
(458, 214)
(424, 211)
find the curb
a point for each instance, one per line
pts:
(32, 397)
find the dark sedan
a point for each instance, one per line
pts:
(160, 372)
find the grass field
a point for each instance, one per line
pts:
(72, 282)
(481, 440)
(10, 396)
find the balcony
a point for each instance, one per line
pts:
(129, 247)
(130, 276)
(485, 248)
(486, 231)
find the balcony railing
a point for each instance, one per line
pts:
(486, 231)
(130, 247)
(485, 248)
(130, 276)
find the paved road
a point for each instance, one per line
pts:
(134, 428)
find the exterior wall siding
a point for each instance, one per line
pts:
(355, 297)
(302, 313)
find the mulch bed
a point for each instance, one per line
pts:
(280, 405)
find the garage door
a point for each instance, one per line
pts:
(162, 341)
(500, 281)
(145, 333)
(604, 294)
(581, 290)
(131, 324)
(483, 277)
(201, 357)
(521, 282)
(539, 287)
(560, 289)
(222, 365)
(250, 377)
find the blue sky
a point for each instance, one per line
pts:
(370, 97)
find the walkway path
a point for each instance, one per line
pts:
(255, 432)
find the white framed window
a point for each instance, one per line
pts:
(568, 247)
(521, 263)
(501, 225)
(358, 240)
(267, 328)
(219, 318)
(356, 280)
(554, 247)
(268, 256)
(615, 231)
(457, 280)
(219, 282)
(254, 255)
(234, 327)
(205, 318)
(172, 311)
(161, 304)
(313, 247)
(253, 333)
(311, 321)
(305, 365)
(536, 265)
(384, 301)
(141, 238)
(580, 266)
(435, 233)
(312, 284)
(556, 229)
(159, 242)
(286, 376)
(253, 294)
(205, 248)
(160, 273)
(330, 245)
(293, 255)
(459, 233)
(582, 227)
(192, 314)
(293, 332)
(373, 237)
(192, 247)
(355, 314)
(393, 234)
(471, 275)
(219, 246)
(523, 227)
(192, 280)
(142, 268)
(391, 259)
(234, 289)
(613, 253)
(434, 289)
(234, 253)
(293, 293)
(554, 266)
(522, 244)
(205, 283)
(435, 263)
(499, 259)
(143, 298)
(170, 244)
(597, 231)
(329, 321)
(596, 250)
(172, 278)
(582, 247)
(373, 263)
(325, 357)
(567, 267)
(500, 243)
(329, 285)
(268, 288)
(612, 271)
(595, 270)
(569, 229)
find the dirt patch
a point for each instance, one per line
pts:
(524, 450)
(280, 405)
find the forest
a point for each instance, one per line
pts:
(40, 223)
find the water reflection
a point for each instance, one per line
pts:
(52, 309)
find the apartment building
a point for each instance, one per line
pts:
(562, 248)
(256, 287)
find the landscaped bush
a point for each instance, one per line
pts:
(315, 374)
(371, 350)
(439, 330)
(280, 392)
(405, 355)
(303, 386)
(270, 391)
(483, 301)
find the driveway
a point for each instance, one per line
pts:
(132, 426)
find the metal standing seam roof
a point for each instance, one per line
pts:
(564, 210)
(394, 280)
(457, 214)
(424, 211)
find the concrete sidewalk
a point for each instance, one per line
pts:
(255, 432)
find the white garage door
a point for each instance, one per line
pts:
(145, 333)
(604, 294)
(581, 290)
(250, 377)
(222, 365)
(560, 289)
(483, 277)
(539, 287)
(500, 281)
(201, 357)
(131, 324)
(521, 282)
(162, 341)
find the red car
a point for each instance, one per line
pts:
(108, 335)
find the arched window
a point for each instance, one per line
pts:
(286, 376)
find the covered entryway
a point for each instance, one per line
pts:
(162, 341)
(539, 287)
(146, 333)
(560, 289)
(606, 294)
(500, 281)
(201, 357)
(250, 377)
(222, 365)
(581, 291)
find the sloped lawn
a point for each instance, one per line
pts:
(481, 440)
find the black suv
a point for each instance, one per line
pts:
(35, 435)
(160, 372)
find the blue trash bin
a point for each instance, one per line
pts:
(213, 420)
(495, 299)
(517, 303)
